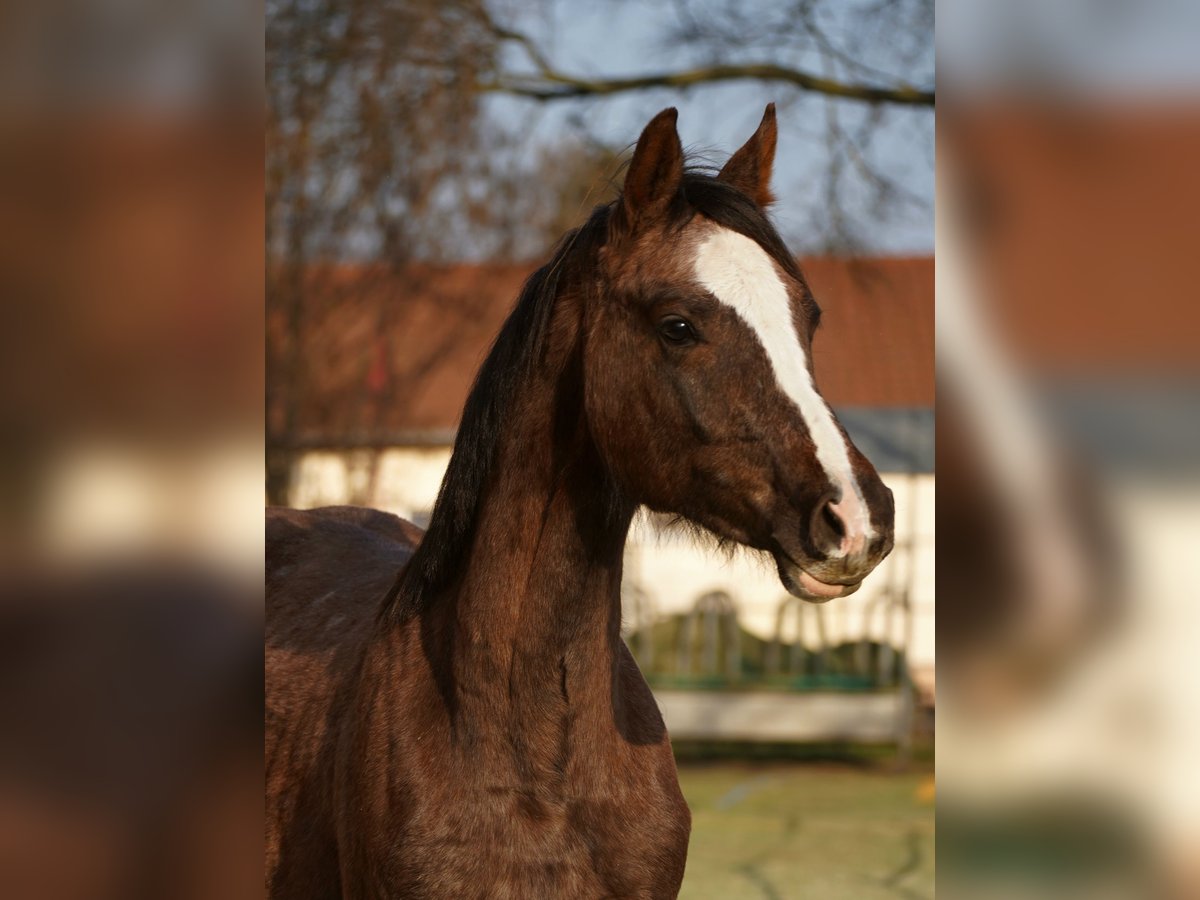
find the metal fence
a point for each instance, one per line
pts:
(812, 646)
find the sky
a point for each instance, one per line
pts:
(623, 38)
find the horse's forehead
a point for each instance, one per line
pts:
(665, 257)
(741, 274)
(704, 255)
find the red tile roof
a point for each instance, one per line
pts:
(875, 345)
(389, 356)
(1082, 225)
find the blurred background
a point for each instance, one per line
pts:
(1068, 356)
(131, 263)
(422, 161)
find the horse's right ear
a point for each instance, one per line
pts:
(656, 171)
(749, 170)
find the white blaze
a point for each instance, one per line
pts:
(739, 273)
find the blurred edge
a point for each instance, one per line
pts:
(1068, 449)
(131, 262)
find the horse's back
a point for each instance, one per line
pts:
(332, 532)
(328, 571)
(347, 554)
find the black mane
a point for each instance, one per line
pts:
(447, 541)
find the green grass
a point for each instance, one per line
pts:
(822, 831)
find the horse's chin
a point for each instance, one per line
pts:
(800, 583)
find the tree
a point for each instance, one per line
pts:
(372, 116)
(723, 28)
(860, 70)
(379, 110)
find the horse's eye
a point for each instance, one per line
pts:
(676, 330)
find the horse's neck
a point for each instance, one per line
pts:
(536, 614)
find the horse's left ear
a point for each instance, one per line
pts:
(656, 170)
(749, 170)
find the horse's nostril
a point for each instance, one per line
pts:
(828, 529)
(834, 521)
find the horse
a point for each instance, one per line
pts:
(454, 714)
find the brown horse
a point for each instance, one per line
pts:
(473, 726)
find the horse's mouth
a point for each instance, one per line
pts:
(802, 584)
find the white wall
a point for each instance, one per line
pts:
(668, 567)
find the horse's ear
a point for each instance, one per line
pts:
(749, 170)
(656, 171)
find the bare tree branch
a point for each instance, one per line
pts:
(553, 85)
